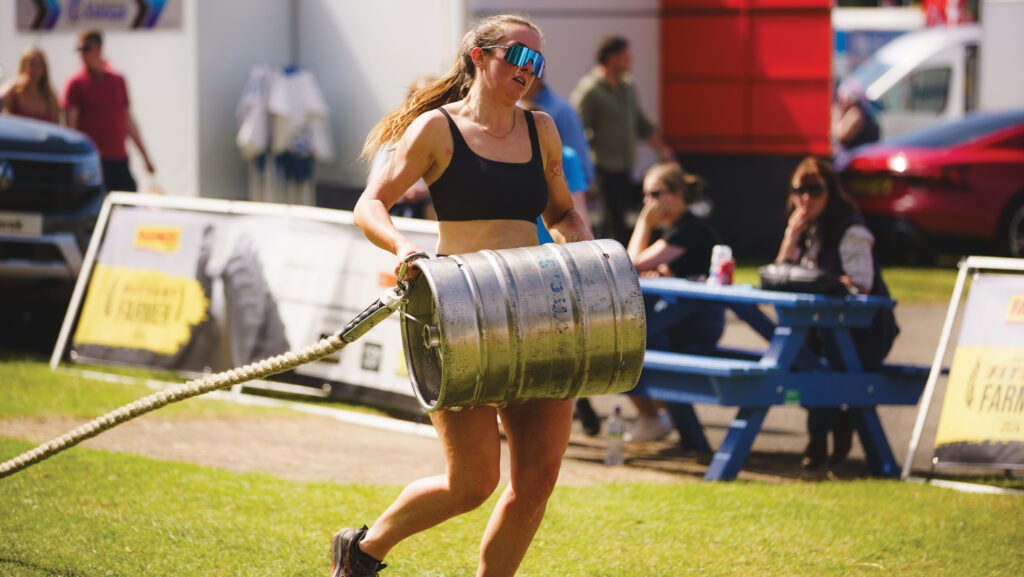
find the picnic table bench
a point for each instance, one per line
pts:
(785, 371)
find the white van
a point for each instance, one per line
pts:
(921, 77)
(857, 33)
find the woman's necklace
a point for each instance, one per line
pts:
(476, 119)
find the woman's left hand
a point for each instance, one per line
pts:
(853, 287)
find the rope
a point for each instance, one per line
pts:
(369, 318)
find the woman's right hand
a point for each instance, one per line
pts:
(405, 250)
(795, 228)
(798, 223)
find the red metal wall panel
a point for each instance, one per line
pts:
(685, 51)
(746, 76)
(692, 122)
(790, 47)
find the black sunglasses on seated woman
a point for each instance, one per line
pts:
(655, 193)
(815, 190)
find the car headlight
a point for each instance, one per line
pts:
(87, 170)
(898, 163)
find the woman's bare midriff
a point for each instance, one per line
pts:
(464, 236)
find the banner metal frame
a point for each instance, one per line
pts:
(968, 266)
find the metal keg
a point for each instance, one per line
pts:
(496, 327)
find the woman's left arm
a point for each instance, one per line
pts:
(856, 259)
(560, 216)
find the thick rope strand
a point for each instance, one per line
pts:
(380, 309)
(256, 370)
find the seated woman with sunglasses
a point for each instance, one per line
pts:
(492, 168)
(825, 231)
(669, 240)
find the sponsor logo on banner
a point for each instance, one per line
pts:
(163, 239)
(1015, 314)
(140, 309)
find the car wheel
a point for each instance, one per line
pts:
(1011, 234)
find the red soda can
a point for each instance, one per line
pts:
(727, 269)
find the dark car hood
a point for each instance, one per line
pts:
(28, 135)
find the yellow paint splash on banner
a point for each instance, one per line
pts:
(140, 309)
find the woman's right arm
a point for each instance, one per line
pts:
(413, 158)
(789, 250)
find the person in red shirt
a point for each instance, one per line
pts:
(96, 102)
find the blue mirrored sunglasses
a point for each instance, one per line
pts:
(519, 56)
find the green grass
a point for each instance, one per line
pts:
(90, 513)
(86, 513)
(908, 285)
(29, 388)
(920, 284)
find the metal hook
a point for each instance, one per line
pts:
(404, 269)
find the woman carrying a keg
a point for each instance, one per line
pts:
(492, 168)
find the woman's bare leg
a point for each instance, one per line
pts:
(538, 433)
(472, 452)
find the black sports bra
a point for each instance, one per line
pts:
(476, 188)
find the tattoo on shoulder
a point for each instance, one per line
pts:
(555, 169)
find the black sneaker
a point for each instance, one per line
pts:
(347, 560)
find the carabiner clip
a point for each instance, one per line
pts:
(404, 269)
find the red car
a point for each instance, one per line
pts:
(955, 186)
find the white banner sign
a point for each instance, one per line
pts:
(199, 289)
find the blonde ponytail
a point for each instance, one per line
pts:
(451, 87)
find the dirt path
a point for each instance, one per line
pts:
(316, 448)
(312, 448)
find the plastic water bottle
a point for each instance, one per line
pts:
(616, 427)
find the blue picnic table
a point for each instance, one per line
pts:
(787, 370)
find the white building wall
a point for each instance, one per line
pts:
(365, 55)
(574, 28)
(1002, 45)
(572, 31)
(185, 83)
(231, 39)
(160, 71)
